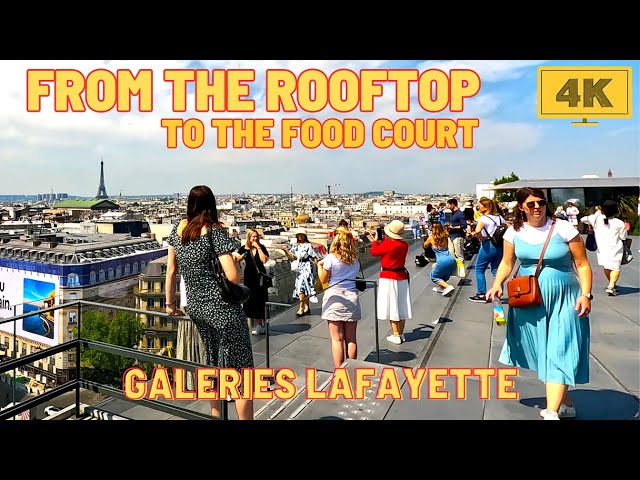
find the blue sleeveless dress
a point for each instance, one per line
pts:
(550, 339)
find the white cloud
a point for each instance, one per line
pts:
(623, 131)
(500, 137)
(65, 148)
(488, 70)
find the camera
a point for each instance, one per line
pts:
(380, 233)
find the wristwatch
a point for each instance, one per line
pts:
(588, 295)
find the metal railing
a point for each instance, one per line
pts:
(78, 382)
(267, 320)
(79, 343)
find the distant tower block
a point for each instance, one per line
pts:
(102, 190)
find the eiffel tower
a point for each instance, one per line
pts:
(102, 191)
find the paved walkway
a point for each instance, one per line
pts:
(446, 333)
(467, 338)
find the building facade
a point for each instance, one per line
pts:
(585, 192)
(160, 332)
(36, 274)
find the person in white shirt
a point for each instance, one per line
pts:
(415, 227)
(572, 214)
(489, 255)
(551, 338)
(610, 234)
(560, 213)
(341, 303)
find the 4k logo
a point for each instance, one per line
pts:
(569, 92)
(581, 92)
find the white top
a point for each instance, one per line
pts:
(490, 223)
(183, 293)
(538, 235)
(608, 237)
(342, 274)
(572, 214)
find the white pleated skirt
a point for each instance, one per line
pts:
(394, 302)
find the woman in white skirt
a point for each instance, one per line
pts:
(610, 234)
(394, 302)
(340, 304)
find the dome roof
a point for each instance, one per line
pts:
(303, 218)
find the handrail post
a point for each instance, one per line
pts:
(267, 321)
(267, 318)
(375, 319)
(15, 353)
(375, 313)
(224, 404)
(78, 370)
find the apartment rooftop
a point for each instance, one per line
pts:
(74, 248)
(87, 204)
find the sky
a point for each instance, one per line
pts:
(47, 151)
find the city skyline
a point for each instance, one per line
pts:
(48, 151)
(183, 195)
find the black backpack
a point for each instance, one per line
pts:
(497, 237)
(429, 253)
(421, 261)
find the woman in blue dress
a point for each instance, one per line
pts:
(552, 338)
(445, 262)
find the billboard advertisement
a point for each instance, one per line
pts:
(29, 292)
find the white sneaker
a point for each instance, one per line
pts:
(551, 416)
(397, 339)
(438, 289)
(447, 290)
(259, 330)
(564, 412)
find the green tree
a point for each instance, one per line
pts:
(506, 196)
(123, 329)
(628, 208)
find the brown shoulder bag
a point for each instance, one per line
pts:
(524, 291)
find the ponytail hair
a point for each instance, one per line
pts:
(609, 210)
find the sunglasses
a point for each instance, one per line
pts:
(541, 203)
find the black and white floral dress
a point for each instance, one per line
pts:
(306, 274)
(222, 326)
